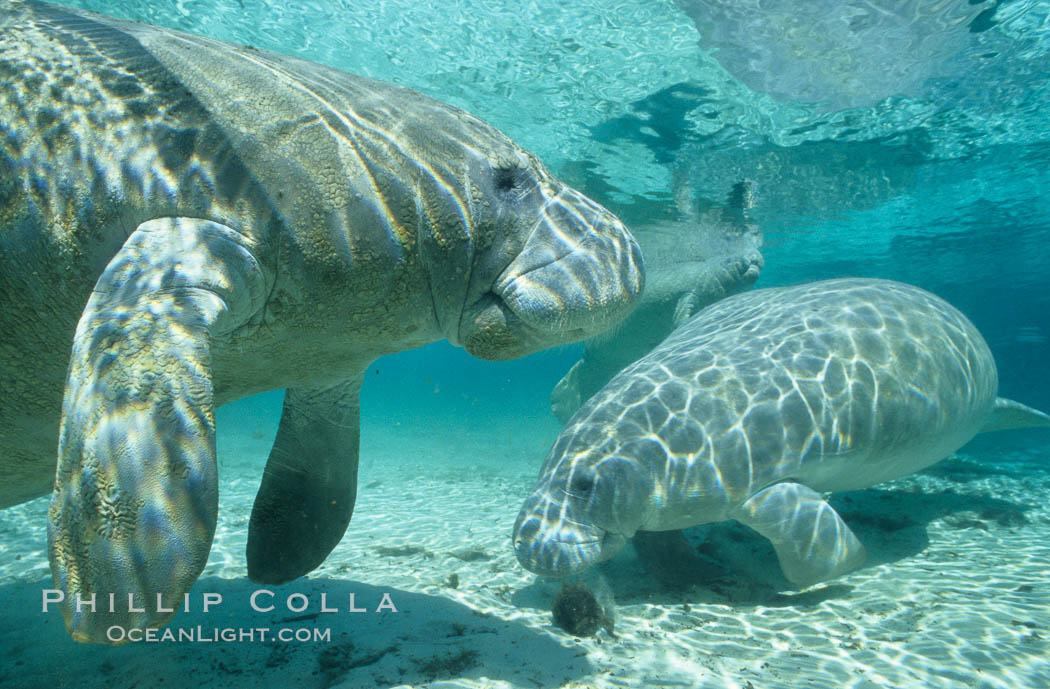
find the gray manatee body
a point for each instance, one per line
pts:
(185, 222)
(753, 408)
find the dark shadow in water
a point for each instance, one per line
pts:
(961, 468)
(431, 638)
(662, 123)
(729, 563)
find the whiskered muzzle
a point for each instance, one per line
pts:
(549, 544)
(579, 273)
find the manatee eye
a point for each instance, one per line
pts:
(582, 485)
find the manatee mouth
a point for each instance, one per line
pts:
(569, 551)
(495, 329)
(572, 292)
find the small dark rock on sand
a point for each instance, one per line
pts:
(578, 612)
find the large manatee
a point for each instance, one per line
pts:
(185, 222)
(756, 406)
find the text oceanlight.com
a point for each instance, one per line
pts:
(200, 634)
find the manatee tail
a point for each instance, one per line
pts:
(1009, 414)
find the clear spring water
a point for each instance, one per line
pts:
(632, 101)
(907, 140)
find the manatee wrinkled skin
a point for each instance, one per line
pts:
(752, 409)
(185, 222)
(689, 266)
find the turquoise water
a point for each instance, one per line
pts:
(628, 102)
(904, 140)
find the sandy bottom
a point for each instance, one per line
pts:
(954, 594)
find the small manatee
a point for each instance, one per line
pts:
(756, 406)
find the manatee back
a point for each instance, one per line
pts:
(837, 384)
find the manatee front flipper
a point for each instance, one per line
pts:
(714, 279)
(136, 492)
(308, 489)
(684, 309)
(812, 542)
(565, 397)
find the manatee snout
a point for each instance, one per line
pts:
(581, 514)
(550, 546)
(749, 267)
(579, 272)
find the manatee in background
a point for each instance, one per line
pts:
(688, 266)
(185, 222)
(752, 409)
(840, 54)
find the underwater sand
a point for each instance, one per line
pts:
(954, 594)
